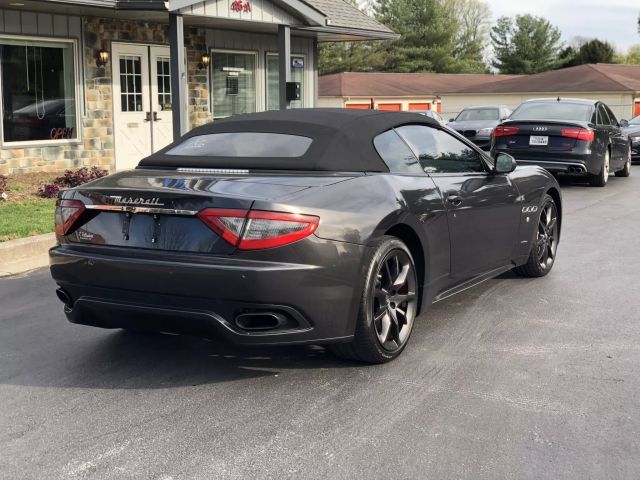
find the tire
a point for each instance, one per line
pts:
(388, 305)
(600, 179)
(545, 242)
(626, 171)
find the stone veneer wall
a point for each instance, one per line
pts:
(97, 145)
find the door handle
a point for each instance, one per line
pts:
(147, 118)
(155, 117)
(454, 200)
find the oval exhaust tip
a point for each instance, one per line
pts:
(64, 297)
(257, 321)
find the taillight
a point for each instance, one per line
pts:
(257, 229)
(67, 212)
(585, 134)
(502, 131)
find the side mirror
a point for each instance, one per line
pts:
(452, 119)
(505, 163)
(624, 123)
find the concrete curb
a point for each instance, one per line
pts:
(25, 254)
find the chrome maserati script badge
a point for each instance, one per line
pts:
(150, 202)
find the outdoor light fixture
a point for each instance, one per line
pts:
(102, 58)
(205, 59)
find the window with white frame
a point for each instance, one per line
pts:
(273, 75)
(38, 86)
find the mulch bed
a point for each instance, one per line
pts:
(25, 186)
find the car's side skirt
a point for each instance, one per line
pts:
(472, 282)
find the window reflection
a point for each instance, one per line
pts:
(38, 90)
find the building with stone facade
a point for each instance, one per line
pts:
(108, 82)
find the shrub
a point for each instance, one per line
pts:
(81, 176)
(49, 190)
(72, 179)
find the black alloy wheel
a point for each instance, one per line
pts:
(545, 243)
(388, 306)
(626, 171)
(394, 300)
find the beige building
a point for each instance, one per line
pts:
(395, 91)
(616, 85)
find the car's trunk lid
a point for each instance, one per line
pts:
(158, 209)
(538, 136)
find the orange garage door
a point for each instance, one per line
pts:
(394, 107)
(419, 106)
(636, 109)
(359, 106)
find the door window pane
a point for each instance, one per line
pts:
(440, 152)
(233, 83)
(612, 118)
(38, 90)
(164, 83)
(273, 74)
(131, 83)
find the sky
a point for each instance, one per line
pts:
(613, 20)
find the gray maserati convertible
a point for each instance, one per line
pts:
(312, 226)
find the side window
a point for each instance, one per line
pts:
(603, 118)
(396, 154)
(440, 152)
(612, 118)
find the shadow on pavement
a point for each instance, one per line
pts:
(124, 360)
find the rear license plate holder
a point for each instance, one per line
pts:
(539, 140)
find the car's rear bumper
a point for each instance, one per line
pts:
(208, 296)
(572, 167)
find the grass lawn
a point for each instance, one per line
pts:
(26, 218)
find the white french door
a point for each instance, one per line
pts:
(141, 101)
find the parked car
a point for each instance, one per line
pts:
(431, 114)
(477, 123)
(632, 129)
(43, 120)
(566, 135)
(310, 226)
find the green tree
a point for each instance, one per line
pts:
(591, 51)
(525, 45)
(435, 36)
(428, 35)
(632, 57)
(473, 18)
(336, 57)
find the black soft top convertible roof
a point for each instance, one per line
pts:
(342, 140)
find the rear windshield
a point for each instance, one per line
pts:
(478, 114)
(243, 144)
(553, 111)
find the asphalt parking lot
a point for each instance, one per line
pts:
(517, 378)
